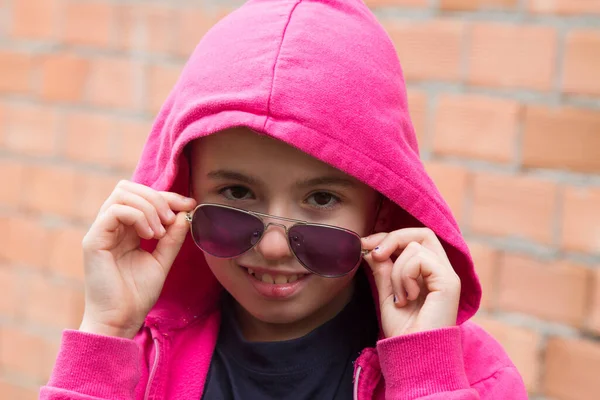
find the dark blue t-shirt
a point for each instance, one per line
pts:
(318, 365)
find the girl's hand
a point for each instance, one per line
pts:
(122, 281)
(420, 290)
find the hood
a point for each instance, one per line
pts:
(322, 76)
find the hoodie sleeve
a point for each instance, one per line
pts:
(431, 365)
(95, 367)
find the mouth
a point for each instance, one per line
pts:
(274, 277)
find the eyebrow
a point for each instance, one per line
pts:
(224, 174)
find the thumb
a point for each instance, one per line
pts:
(169, 245)
(382, 272)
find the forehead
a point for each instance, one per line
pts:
(243, 149)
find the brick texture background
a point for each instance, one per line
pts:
(505, 95)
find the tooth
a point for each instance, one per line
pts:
(280, 279)
(293, 278)
(250, 271)
(267, 278)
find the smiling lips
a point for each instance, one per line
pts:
(272, 278)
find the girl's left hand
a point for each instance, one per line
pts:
(420, 290)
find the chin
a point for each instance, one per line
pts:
(277, 313)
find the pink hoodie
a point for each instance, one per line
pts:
(323, 76)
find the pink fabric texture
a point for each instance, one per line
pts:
(324, 77)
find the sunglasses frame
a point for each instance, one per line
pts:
(260, 216)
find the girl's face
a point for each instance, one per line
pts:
(242, 169)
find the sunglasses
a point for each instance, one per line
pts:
(228, 232)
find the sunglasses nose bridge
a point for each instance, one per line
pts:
(285, 228)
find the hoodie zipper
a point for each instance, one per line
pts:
(154, 368)
(356, 378)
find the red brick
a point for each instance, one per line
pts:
(31, 130)
(3, 124)
(52, 304)
(191, 25)
(581, 219)
(10, 284)
(66, 255)
(88, 23)
(572, 367)
(567, 7)
(4, 227)
(417, 104)
(24, 355)
(582, 62)
(512, 56)
(50, 189)
(26, 242)
(157, 27)
(49, 359)
(521, 207)
(486, 266)
(113, 81)
(565, 138)
(452, 182)
(131, 139)
(555, 291)
(92, 191)
(429, 49)
(402, 3)
(127, 23)
(476, 127)
(15, 71)
(472, 5)
(63, 77)
(161, 80)
(12, 182)
(88, 138)
(13, 391)
(34, 19)
(594, 317)
(521, 345)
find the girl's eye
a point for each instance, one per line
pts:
(323, 200)
(236, 193)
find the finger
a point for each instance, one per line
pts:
(400, 290)
(400, 238)
(164, 202)
(410, 276)
(178, 202)
(169, 245)
(428, 266)
(382, 274)
(119, 214)
(372, 241)
(133, 200)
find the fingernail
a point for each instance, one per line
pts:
(395, 299)
(170, 214)
(162, 230)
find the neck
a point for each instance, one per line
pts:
(255, 330)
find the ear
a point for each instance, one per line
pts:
(384, 216)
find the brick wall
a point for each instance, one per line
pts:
(505, 95)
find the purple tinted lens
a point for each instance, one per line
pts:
(224, 232)
(325, 251)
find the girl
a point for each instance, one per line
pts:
(321, 263)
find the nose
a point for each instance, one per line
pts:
(274, 245)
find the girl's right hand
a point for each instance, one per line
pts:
(122, 281)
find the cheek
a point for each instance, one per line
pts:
(221, 268)
(332, 285)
